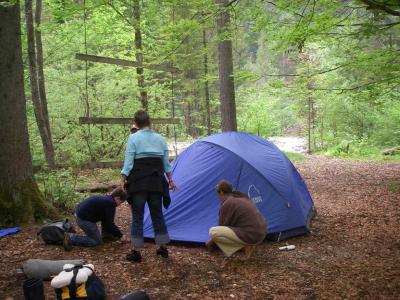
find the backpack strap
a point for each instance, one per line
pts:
(88, 268)
(72, 285)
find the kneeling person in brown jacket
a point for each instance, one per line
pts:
(240, 222)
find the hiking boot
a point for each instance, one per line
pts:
(134, 256)
(67, 242)
(163, 251)
(248, 251)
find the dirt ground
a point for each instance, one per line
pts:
(353, 251)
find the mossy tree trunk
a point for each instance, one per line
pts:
(20, 198)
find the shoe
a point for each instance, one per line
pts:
(67, 242)
(248, 250)
(134, 256)
(163, 251)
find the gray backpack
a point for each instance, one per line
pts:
(53, 233)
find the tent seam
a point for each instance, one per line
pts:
(207, 142)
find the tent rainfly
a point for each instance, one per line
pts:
(254, 166)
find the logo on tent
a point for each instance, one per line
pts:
(254, 194)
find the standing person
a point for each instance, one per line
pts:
(97, 208)
(240, 222)
(146, 161)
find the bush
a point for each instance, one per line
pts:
(59, 187)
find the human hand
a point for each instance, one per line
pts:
(123, 184)
(125, 239)
(172, 186)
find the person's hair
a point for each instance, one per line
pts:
(141, 118)
(118, 192)
(226, 187)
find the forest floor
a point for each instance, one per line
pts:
(352, 252)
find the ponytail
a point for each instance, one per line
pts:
(227, 188)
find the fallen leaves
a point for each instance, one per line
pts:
(353, 251)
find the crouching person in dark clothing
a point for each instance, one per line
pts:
(98, 208)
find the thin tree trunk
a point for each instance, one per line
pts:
(225, 62)
(37, 107)
(206, 88)
(309, 125)
(41, 83)
(139, 54)
(188, 118)
(20, 198)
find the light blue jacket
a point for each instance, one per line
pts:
(145, 143)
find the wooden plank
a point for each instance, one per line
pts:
(123, 121)
(124, 62)
(102, 164)
(109, 164)
(98, 187)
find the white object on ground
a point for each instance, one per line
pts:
(286, 248)
(64, 278)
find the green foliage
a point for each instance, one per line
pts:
(59, 187)
(295, 156)
(393, 186)
(8, 3)
(333, 61)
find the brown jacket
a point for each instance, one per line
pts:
(243, 217)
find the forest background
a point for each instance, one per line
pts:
(325, 70)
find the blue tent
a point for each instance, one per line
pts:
(254, 166)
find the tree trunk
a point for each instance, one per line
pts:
(139, 54)
(225, 62)
(37, 107)
(309, 125)
(188, 118)
(206, 88)
(41, 82)
(20, 198)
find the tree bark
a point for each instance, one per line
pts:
(309, 125)
(206, 88)
(37, 105)
(20, 198)
(42, 88)
(225, 63)
(139, 54)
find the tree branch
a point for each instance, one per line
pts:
(355, 87)
(311, 75)
(284, 8)
(388, 25)
(231, 2)
(372, 4)
(119, 13)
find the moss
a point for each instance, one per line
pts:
(23, 203)
(393, 186)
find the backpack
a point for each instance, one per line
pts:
(92, 289)
(137, 295)
(53, 233)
